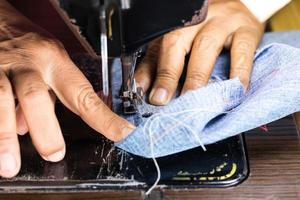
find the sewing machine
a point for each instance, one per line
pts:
(126, 26)
(123, 28)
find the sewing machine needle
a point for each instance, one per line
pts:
(104, 53)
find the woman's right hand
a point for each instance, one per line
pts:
(35, 69)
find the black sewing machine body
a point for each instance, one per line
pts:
(133, 23)
(94, 164)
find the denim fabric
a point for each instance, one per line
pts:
(222, 108)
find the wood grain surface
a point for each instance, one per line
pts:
(274, 168)
(288, 18)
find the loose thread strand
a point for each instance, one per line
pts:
(155, 163)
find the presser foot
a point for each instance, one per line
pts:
(131, 100)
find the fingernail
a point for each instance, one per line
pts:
(245, 87)
(159, 96)
(22, 128)
(55, 157)
(183, 92)
(140, 84)
(7, 162)
(22, 132)
(127, 130)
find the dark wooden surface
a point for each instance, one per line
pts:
(274, 168)
(274, 164)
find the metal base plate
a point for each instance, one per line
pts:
(94, 164)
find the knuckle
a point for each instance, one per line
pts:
(150, 59)
(6, 100)
(51, 48)
(47, 148)
(153, 49)
(3, 90)
(243, 45)
(48, 47)
(178, 40)
(32, 35)
(6, 96)
(54, 45)
(88, 101)
(152, 54)
(245, 36)
(113, 129)
(197, 78)
(242, 69)
(243, 51)
(4, 49)
(108, 124)
(234, 8)
(145, 70)
(4, 86)
(33, 91)
(7, 137)
(171, 39)
(232, 5)
(206, 43)
(167, 75)
(214, 27)
(240, 16)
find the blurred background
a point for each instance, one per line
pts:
(287, 18)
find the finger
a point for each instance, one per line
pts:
(145, 71)
(22, 127)
(74, 90)
(38, 109)
(244, 44)
(174, 47)
(206, 48)
(10, 161)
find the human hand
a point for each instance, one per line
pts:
(34, 67)
(229, 24)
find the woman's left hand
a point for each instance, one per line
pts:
(229, 24)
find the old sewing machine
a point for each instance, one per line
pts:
(122, 28)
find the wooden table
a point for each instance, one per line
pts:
(274, 168)
(274, 164)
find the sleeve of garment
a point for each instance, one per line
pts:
(264, 9)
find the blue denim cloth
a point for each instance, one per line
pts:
(221, 109)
